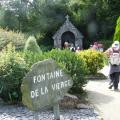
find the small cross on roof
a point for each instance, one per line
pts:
(67, 17)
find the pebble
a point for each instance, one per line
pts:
(17, 112)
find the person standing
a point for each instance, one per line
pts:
(100, 47)
(114, 52)
(66, 45)
(95, 46)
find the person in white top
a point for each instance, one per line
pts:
(114, 72)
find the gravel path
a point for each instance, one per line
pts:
(11, 112)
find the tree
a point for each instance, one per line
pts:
(117, 30)
(7, 19)
(40, 17)
(15, 10)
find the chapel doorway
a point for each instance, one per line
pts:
(67, 37)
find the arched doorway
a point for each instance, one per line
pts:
(67, 37)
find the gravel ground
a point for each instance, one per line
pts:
(17, 112)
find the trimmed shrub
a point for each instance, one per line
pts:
(31, 45)
(12, 70)
(17, 39)
(94, 60)
(117, 30)
(74, 65)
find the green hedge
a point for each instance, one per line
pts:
(14, 66)
(16, 38)
(74, 65)
(69, 61)
(12, 70)
(94, 60)
(32, 57)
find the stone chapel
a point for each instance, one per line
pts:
(68, 33)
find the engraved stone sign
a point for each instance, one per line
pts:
(44, 85)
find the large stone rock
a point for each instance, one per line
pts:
(44, 85)
(83, 106)
(69, 101)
